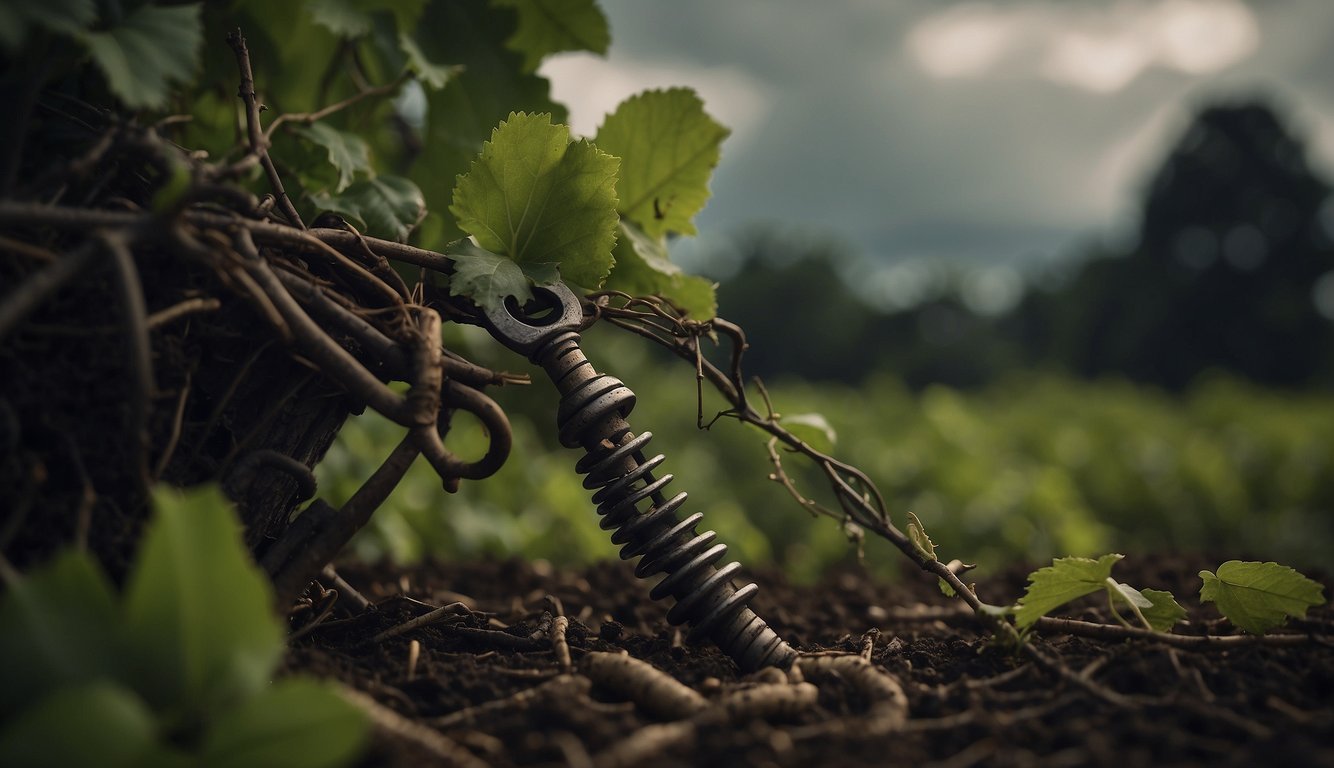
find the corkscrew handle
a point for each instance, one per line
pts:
(592, 415)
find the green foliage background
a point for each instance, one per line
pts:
(1035, 466)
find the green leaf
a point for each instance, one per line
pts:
(668, 148)
(151, 48)
(917, 535)
(813, 429)
(96, 723)
(65, 17)
(644, 269)
(54, 630)
(348, 152)
(488, 279)
(294, 724)
(198, 624)
(354, 18)
(461, 116)
(1158, 608)
(1127, 594)
(385, 206)
(432, 75)
(536, 197)
(1259, 596)
(1163, 611)
(1066, 579)
(553, 26)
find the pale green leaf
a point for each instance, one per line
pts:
(433, 75)
(54, 629)
(385, 206)
(354, 18)
(812, 428)
(199, 628)
(668, 148)
(1127, 594)
(643, 268)
(536, 197)
(293, 724)
(488, 279)
(149, 50)
(1066, 579)
(920, 541)
(552, 26)
(1158, 608)
(1259, 596)
(96, 723)
(65, 17)
(1163, 611)
(348, 152)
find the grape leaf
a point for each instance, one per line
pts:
(1127, 594)
(644, 269)
(1164, 611)
(488, 279)
(1259, 596)
(199, 632)
(668, 148)
(68, 17)
(348, 152)
(1066, 579)
(460, 116)
(553, 26)
(152, 47)
(1160, 609)
(536, 197)
(385, 206)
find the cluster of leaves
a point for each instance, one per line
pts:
(445, 75)
(549, 205)
(142, 52)
(1256, 597)
(175, 671)
(460, 77)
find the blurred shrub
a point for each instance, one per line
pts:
(1033, 467)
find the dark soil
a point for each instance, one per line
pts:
(971, 702)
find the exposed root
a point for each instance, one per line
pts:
(656, 692)
(564, 686)
(761, 702)
(888, 704)
(394, 726)
(559, 646)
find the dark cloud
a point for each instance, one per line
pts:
(1061, 112)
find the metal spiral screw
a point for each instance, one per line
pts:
(592, 414)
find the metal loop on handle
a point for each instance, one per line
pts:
(526, 334)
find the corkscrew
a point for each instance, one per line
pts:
(592, 414)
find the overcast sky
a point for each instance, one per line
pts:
(995, 134)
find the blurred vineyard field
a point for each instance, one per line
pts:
(1034, 466)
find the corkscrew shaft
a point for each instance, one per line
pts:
(592, 414)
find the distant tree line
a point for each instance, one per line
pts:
(1232, 270)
